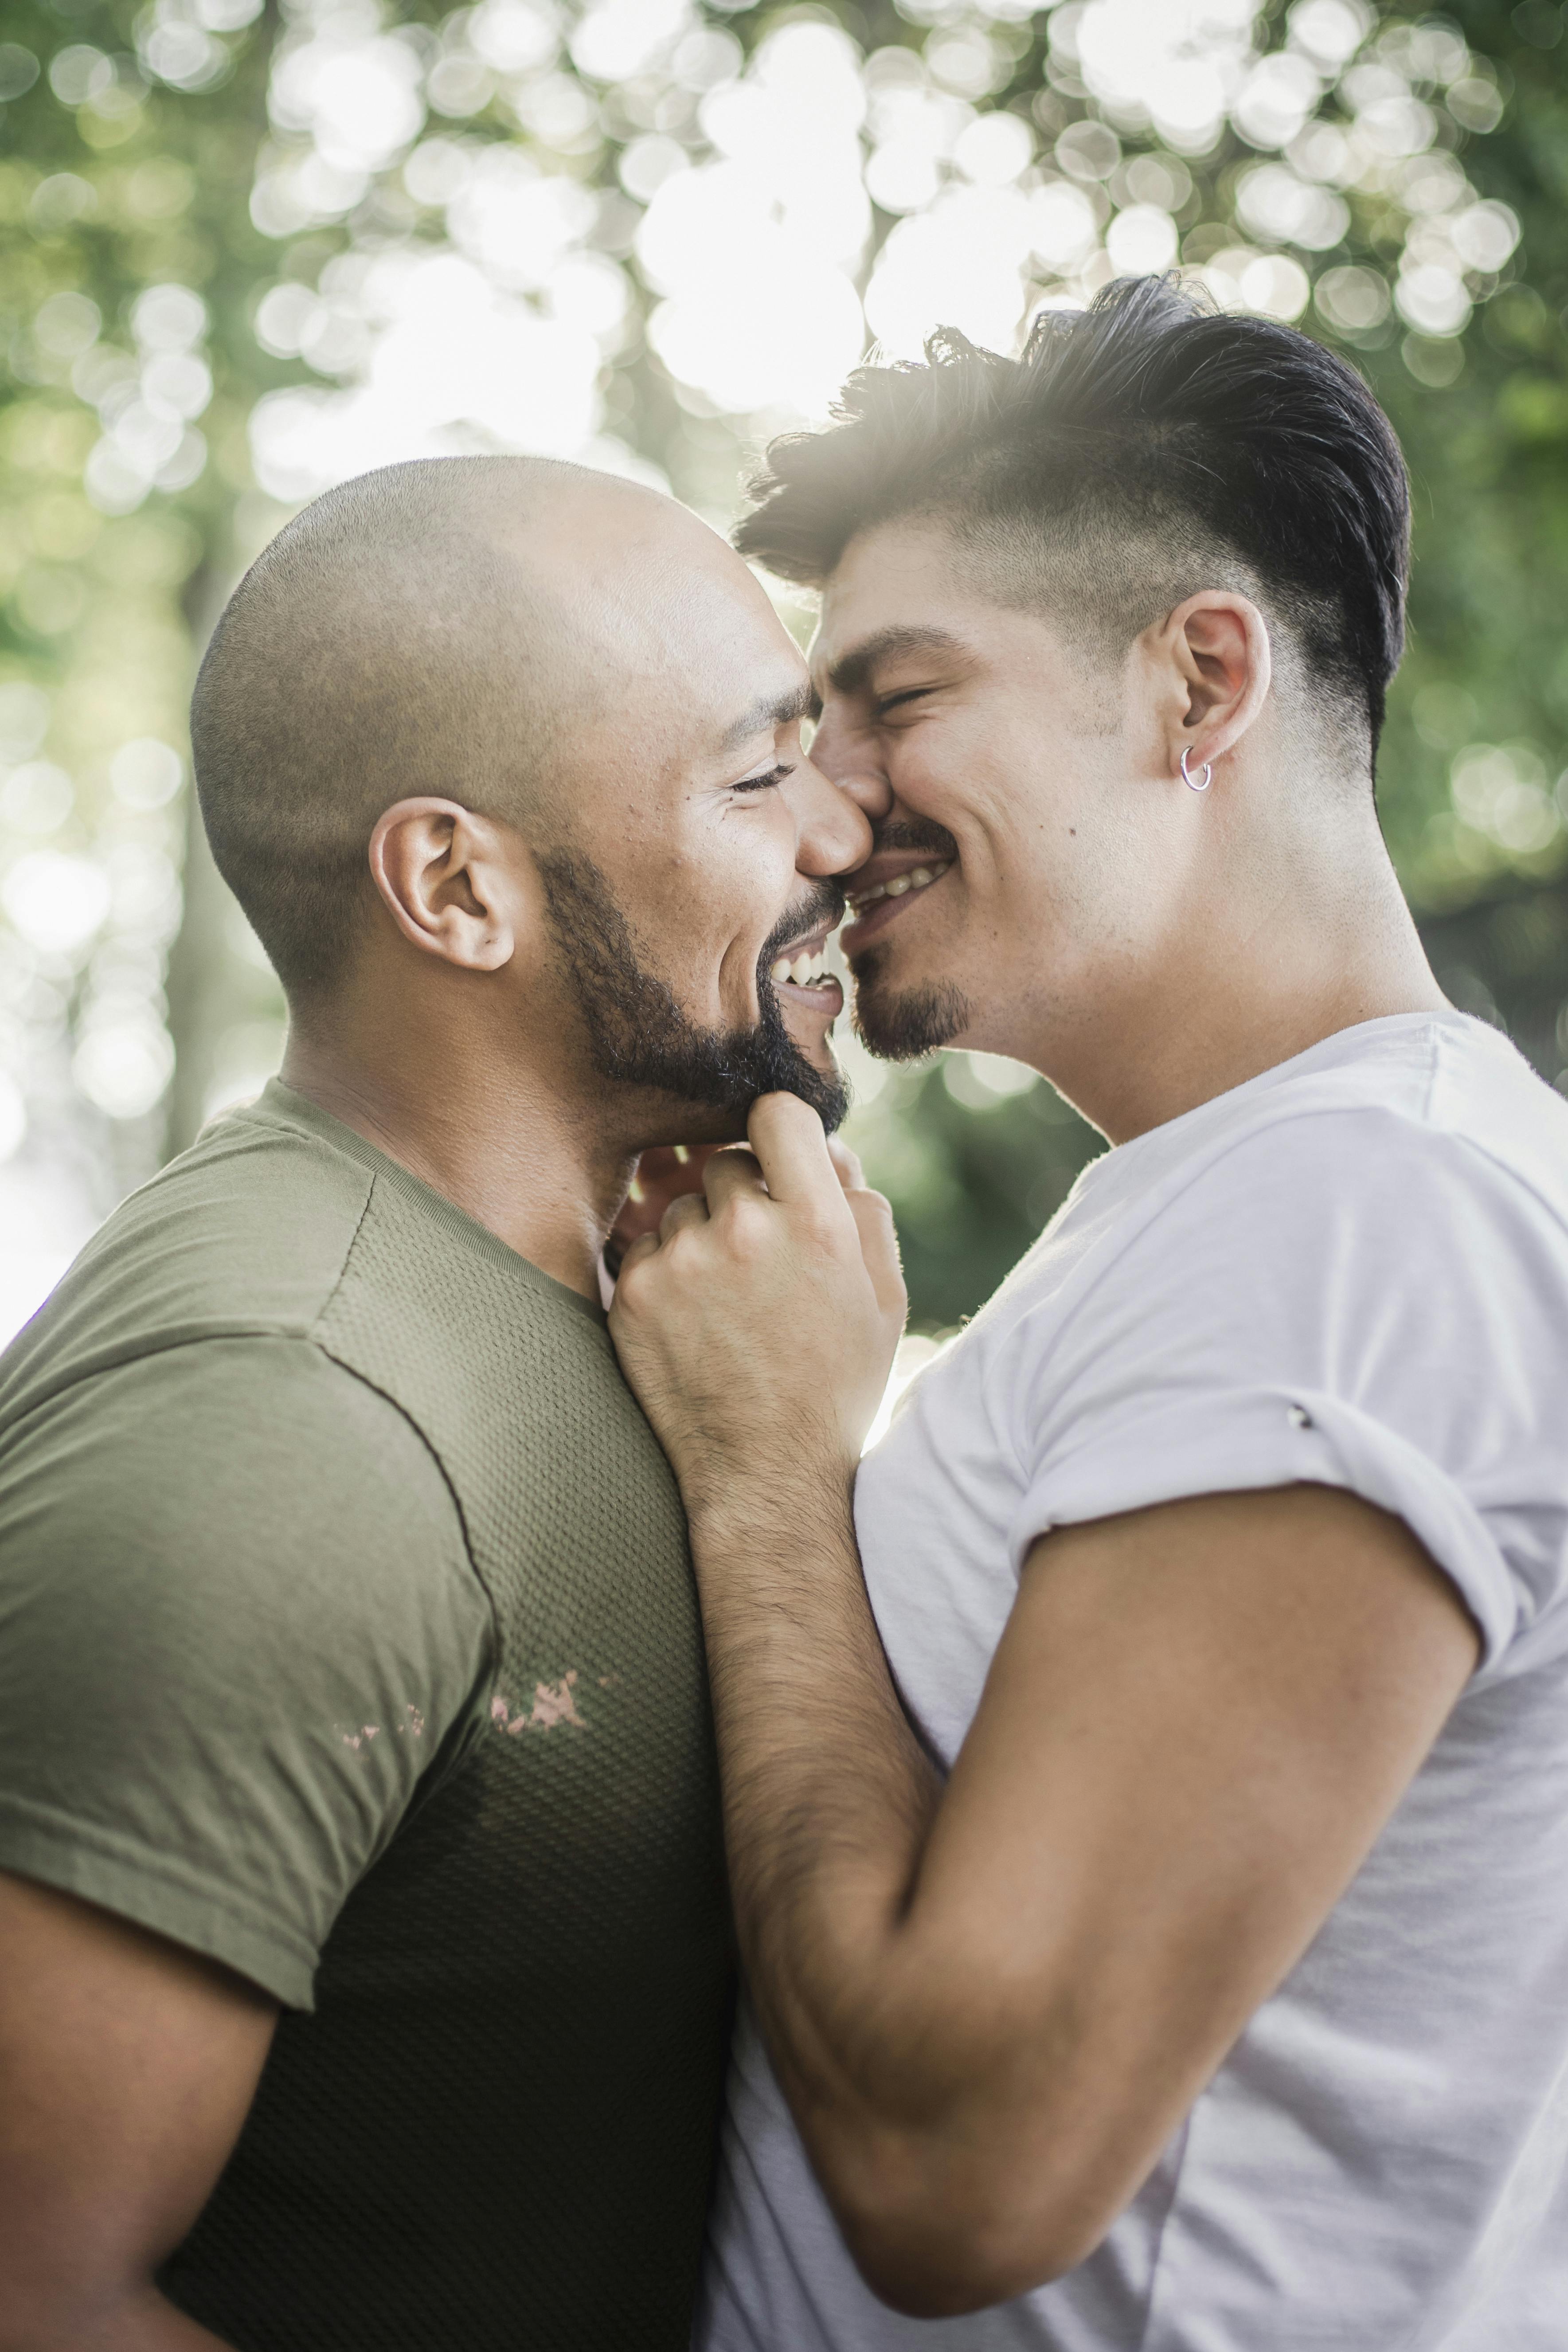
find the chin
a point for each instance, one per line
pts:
(904, 1024)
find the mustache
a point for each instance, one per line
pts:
(914, 833)
(825, 903)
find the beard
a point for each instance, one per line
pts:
(905, 1024)
(902, 1025)
(639, 1035)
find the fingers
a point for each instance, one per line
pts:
(787, 1138)
(645, 1246)
(729, 1175)
(690, 1208)
(879, 1235)
(851, 1175)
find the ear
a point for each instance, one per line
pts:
(1214, 658)
(441, 875)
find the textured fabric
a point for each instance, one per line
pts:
(347, 1635)
(1352, 1271)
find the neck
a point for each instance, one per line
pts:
(1254, 979)
(508, 1146)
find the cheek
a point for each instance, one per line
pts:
(718, 900)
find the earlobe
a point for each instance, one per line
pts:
(438, 871)
(1217, 643)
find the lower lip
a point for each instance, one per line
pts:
(883, 911)
(829, 998)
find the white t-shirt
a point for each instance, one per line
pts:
(1351, 1270)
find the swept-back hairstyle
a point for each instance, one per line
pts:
(1138, 451)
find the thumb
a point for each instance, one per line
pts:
(787, 1136)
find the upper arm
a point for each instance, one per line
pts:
(127, 2066)
(238, 1622)
(1196, 1724)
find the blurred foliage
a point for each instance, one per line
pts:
(194, 292)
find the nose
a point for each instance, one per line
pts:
(840, 752)
(833, 832)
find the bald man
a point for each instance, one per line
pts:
(364, 1947)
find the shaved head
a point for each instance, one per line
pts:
(432, 628)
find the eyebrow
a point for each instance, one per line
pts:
(850, 672)
(768, 711)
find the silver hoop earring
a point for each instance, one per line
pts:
(1192, 782)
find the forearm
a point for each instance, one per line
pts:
(828, 1797)
(887, 2036)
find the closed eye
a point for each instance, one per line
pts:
(763, 782)
(887, 702)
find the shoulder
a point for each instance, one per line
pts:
(244, 1472)
(1409, 1196)
(247, 1232)
(1435, 1161)
(241, 1620)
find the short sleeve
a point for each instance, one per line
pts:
(1344, 1299)
(238, 1627)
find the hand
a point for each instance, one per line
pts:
(758, 1325)
(665, 1174)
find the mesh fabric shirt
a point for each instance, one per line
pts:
(348, 1636)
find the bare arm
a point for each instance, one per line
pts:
(990, 2005)
(127, 2066)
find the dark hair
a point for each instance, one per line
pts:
(1145, 427)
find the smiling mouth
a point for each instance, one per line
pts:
(878, 904)
(919, 878)
(805, 978)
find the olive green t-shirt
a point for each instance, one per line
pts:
(348, 1636)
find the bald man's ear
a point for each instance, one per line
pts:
(441, 874)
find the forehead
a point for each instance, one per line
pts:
(907, 594)
(682, 641)
(900, 583)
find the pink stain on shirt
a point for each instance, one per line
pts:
(553, 1704)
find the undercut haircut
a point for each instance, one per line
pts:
(1137, 452)
(385, 645)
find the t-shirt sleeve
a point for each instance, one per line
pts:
(1343, 1299)
(238, 1627)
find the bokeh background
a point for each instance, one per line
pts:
(250, 250)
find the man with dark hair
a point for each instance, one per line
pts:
(1165, 1942)
(364, 1947)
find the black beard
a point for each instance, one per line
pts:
(638, 1034)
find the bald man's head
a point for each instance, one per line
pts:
(417, 631)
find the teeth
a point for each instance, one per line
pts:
(806, 971)
(919, 878)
